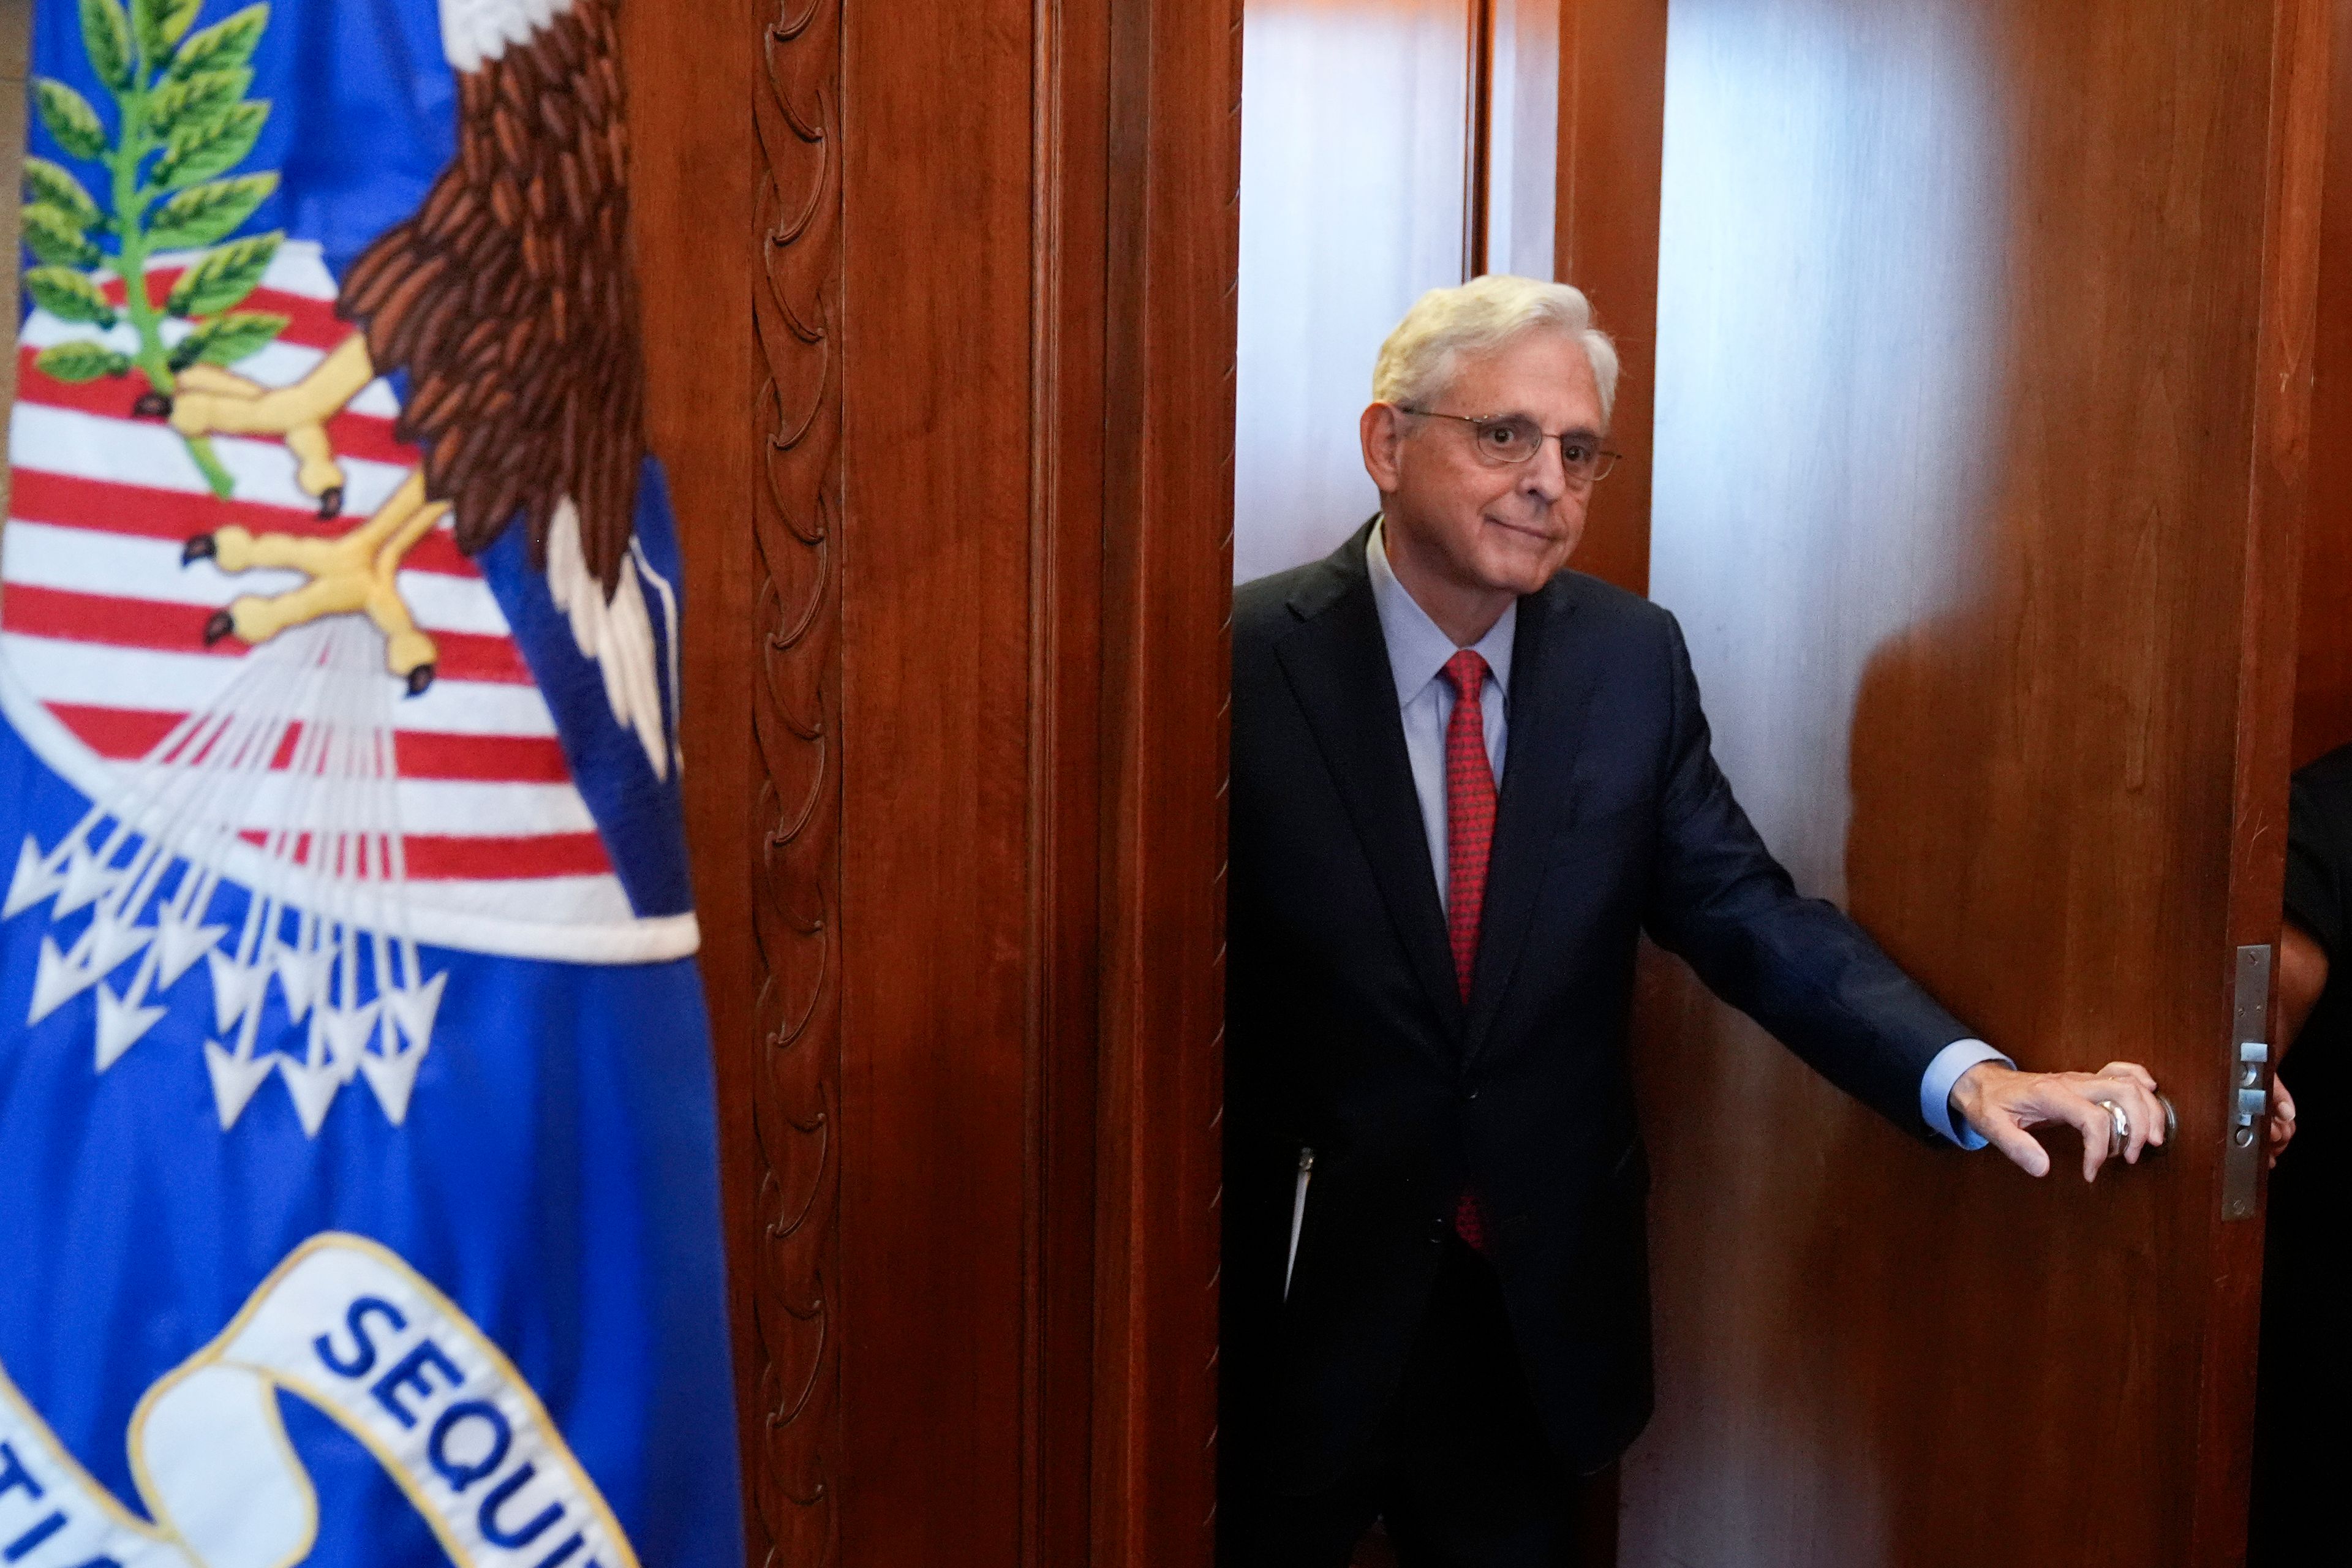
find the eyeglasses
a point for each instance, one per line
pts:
(1515, 438)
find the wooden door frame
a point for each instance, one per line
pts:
(1173, 252)
(1608, 175)
(741, 118)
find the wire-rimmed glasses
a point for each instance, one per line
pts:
(1506, 440)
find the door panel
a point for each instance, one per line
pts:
(1354, 149)
(1522, 177)
(1982, 374)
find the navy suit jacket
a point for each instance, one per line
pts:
(1347, 1033)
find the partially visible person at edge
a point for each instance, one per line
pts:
(1464, 781)
(2303, 1447)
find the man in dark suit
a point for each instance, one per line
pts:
(1463, 782)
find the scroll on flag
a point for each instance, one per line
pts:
(358, 1177)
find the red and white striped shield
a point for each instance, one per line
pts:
(358, 819)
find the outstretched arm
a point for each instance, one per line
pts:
(1805, 970)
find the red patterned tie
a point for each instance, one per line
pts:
(1469, 837)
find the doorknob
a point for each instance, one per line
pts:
(2116, 1137)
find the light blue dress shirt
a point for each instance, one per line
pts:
(1417, 654)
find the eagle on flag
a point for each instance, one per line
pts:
(509, 303)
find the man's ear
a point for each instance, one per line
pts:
(1382, 430)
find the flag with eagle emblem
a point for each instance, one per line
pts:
(358, 1167)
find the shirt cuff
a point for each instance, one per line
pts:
(1935, 1088)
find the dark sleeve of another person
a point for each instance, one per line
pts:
(2319, 831)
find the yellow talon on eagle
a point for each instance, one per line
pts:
(356, 572)
(210, 400)
(507, 304)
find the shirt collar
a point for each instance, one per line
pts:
(1417, 648)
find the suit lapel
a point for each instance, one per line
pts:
(1338, 667)
(1552, 684)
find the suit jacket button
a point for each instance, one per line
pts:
(1438, 1228)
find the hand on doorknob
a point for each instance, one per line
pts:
(2001, 1102)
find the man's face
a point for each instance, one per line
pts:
(1482, 526)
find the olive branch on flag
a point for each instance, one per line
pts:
(183, 120)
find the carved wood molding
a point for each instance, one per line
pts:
(796, 864)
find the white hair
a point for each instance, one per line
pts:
(1481, 315)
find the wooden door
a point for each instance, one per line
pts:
(1983, 374)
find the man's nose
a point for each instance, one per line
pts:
(1546, 476)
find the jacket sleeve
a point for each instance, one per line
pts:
(1800, 967)
(2314, 869)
